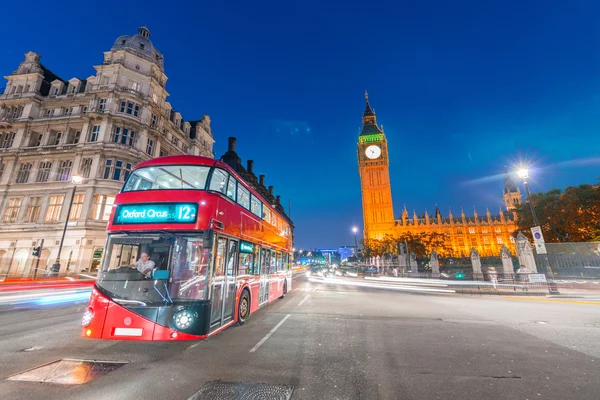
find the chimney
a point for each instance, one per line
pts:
(278, 200)
(271, 190)
(261, 180)
(232, 142)
(250, 166)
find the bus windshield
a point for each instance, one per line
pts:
(154, 270)
(168, 177)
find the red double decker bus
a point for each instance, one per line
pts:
(192, 249)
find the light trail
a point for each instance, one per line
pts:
(380, 286)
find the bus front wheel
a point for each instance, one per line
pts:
(244, 308)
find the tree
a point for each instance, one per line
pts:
(569, 216)
(422, 243)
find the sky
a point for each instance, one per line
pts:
(463, 89)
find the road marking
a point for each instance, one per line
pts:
(595, 303)
(303, 300)
(194, 345)
(268, 335)
(315, 289)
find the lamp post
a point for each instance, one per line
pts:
(523, 173)
(355, 231)
(76, 180)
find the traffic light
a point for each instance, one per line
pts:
(37, 251)
(460, 275)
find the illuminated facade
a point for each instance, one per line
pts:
(97, 128)
(486, 233)
(373, 167)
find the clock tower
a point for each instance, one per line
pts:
(373, 167)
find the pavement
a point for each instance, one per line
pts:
(326, 340)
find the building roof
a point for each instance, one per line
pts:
(509, 183)
(141, 45)
(369, 121)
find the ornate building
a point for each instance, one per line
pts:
(98, 128)
(486, 233)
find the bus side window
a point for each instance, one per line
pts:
(232, 188)
(273, 268)
(218, 181)
(256, 262)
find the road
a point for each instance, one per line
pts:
(334, 342)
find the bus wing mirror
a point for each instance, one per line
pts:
(160, 274)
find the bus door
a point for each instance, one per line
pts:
(217, 280)
(223, 283)
(265, 263)
(230, 278)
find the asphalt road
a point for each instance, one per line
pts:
(335, 342)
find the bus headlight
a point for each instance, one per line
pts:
(87, 317)
(183, 319)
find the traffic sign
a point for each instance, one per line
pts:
(538, 240)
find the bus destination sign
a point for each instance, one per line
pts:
(156, 213)
(246, 247)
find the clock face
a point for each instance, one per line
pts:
(373, 152)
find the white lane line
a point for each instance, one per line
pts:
(194, 345)
(268, 335)
(303, 300)
(315, 289)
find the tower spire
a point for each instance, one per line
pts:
(369, 122)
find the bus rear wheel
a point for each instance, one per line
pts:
(244, 308)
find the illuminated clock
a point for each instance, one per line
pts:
(373, 152)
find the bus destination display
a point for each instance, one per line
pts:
(156, 213)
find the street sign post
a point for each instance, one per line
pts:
(538, 240)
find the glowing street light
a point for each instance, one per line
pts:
(355, 230)
(523, 173)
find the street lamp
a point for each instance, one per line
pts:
(355, 230)
(75, 180)
(523, 173)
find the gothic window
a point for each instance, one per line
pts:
(472, 231)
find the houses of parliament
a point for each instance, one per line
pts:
(486, 233)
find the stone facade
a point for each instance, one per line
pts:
(487, 234)
(98, 128)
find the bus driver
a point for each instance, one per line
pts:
(145, 265)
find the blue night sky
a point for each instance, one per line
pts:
(462, 89)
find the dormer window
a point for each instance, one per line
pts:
(56, 91)
(141, 46)
(123, 42)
